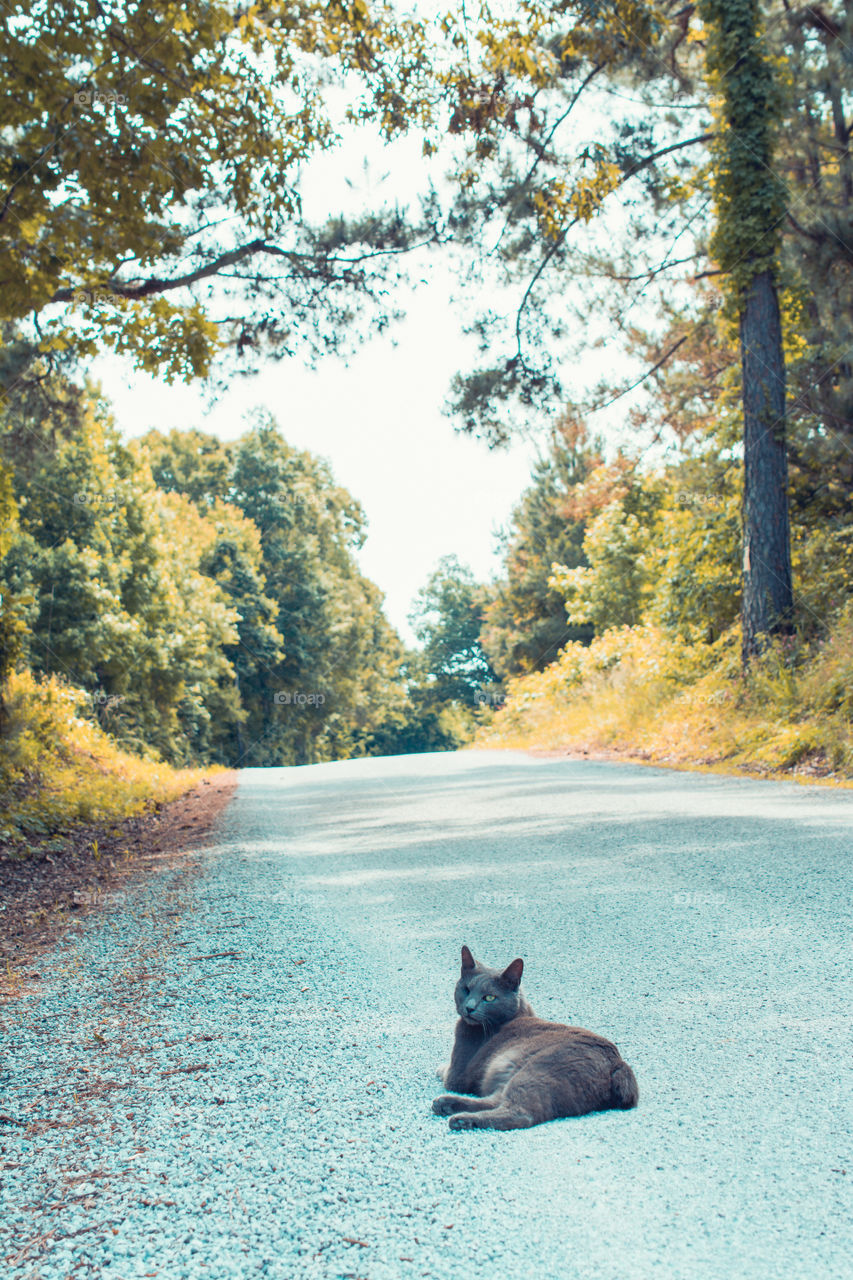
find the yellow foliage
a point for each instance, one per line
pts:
(59, 768)
(591, 190)
(648, 695)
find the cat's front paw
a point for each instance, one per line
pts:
(446, 1104)
(465, 1120)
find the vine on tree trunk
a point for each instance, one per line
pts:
(750, 205)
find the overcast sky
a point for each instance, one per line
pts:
(427, 490)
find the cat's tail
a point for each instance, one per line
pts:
(623, 1087)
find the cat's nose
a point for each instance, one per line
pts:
(471, 1006)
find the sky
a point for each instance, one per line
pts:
(427, 490)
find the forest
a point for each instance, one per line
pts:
(670, 183)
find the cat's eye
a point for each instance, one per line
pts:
(490, 998)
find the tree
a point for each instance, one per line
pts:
(199, 628)
(12, 626)
(150, 173)
(524, 622)
(527, 96)
(692, 550)
(447, 617)
(316, 662)
(609, 591)
(190, 462)
(545, 206)
(233, 561)
(108, 569)
(750, 208)
(418, 723)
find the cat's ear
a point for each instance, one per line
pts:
(511, 976)
(468, 961)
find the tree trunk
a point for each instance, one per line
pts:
(767, 594)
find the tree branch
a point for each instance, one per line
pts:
(560, 239)
(219, 265)
(154, 285)
(541, 148)
(823, 22)
(648, 374)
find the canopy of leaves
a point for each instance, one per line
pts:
(596, 148)
(150, 166)
(525, 623)
(447, 617)
(218, 615)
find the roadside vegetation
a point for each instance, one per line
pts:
(615, 624)
(174, 603)
(59, 770)
(639, 693)
(672, 183)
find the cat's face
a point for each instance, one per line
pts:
(487, 997)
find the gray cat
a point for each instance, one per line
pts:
(521, 1069)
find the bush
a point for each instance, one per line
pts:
(58, 768)
(650, 695)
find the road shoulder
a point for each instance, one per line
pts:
(45, 895)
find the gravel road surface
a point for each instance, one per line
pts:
(230, 1076)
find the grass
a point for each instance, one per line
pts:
(59, 769)
(640, 693)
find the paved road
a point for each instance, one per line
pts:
(234, 1079)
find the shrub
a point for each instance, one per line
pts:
(58, 768)
(655, 696)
